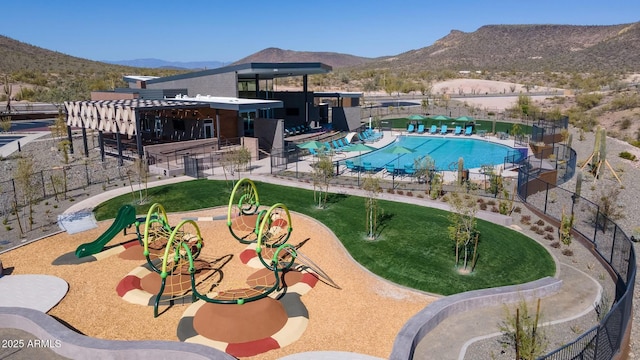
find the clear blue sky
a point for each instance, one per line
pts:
(228, 30)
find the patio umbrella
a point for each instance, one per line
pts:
(313, 144)
(441, 118)
(417, 117)
(399, 150)
(464, 118)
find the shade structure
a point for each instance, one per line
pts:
(441, 118)
(313, 144)
(417, 117)
(399, 150)
(464, 118)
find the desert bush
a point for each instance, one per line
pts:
(491, 202)
(627, 155)
(549, 237)
(588, 101)
(409, 193)
(495, 209)
(534, 228)
(480, 200)
(483, 206)
(555, 244)
(548, 228)
(390, 191)
(540, 222)
(400, 192)
(525, 219)
(517, 210)
(567, 252)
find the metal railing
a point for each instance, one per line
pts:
(611, 244)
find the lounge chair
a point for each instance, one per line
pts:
(313, 152)
(367, 167)
(337, 146)
(433, 130)
(443, 130)
(373, 135)
(468, 130)
(351, 166)
(458, 130)
(420, 128)
(391, 169)
(409, 170)
(410, 128)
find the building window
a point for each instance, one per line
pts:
(178, 124)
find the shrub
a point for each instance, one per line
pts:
(534, 228)
(548, 228)
(555, 244)
(409, 193)
(420, 196)
(517, 210)
(549, 237)
(525, 219)
(540, 232)
(491, 202)
(567, 252)
(400, 192)
(540, 222)
(390, 191)
(627, 155)
(8, 227)
(483, 206)
(495, 209)
(480, 200)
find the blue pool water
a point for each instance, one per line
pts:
(444, 150)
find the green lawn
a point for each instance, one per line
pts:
(413, 249)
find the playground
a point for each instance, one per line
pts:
(327, 297)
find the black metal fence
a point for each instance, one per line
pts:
(57, 182)
(610, 243)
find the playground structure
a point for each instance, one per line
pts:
(124, 219)
(181, 264)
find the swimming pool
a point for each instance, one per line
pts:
(445, 151)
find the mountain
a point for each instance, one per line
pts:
(528, 48)
(335, 60)
(163, 64)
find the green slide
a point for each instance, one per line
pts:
(126, 216)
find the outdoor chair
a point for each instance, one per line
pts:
(351, 166)
(443, 130)
(409, 170)
(410, 128)
(420, 128)
(391, 169)
(373, 135)
(433, 130)
(367, 167)
(458, 130)
(468, 130)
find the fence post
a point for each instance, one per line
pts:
(613, 243)
(86, 171)
(44, 188)
(546, 196)
(595, 230)
(15, 195)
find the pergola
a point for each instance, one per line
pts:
(122, 117)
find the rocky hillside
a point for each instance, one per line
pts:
(528, 48)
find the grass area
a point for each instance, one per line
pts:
(413, 249)
(401, 123)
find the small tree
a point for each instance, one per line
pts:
(63, 147)
(24, 176)
(322, 175)
(495, 180)
(566, 224)
(59, 126)
(462, 228)
(372, 186)
(234, 160)
(142, 171)
(425, 168)
(520, 331)
(609, 208)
